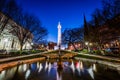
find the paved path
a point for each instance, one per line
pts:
(19, 57)
(102, 57)
(25, 56)
(98, 56)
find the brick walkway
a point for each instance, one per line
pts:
(102, 57)
(13, 61)
(19, 57)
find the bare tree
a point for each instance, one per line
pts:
(27, 27)
(2, 5)
(30, 29)
(94, 33)
(86, 30)
(107, 17)
(3, 23)
(111, 8)
(11, 10)
(70, 36)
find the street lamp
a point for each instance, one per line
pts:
(87, 44)
(91, 44)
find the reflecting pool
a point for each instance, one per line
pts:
(60, 70)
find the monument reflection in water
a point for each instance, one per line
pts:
(64, 70)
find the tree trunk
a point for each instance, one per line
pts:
(74, 47)
(3, 26)
(88, 46)
(12, 44)
(21, 46)
(119, 47)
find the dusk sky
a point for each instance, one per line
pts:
(68, 12)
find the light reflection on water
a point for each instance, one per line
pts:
(50, 70)
(40, 67)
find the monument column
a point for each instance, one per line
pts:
(59, 47)
(59, 35)
(59, 38)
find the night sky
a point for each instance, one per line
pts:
(68, 12)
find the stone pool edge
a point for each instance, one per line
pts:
(112, 65)
(15, 63)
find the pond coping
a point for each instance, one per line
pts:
(111, 65)
(10, 59)
(15, 63)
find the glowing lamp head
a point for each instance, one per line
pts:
(86, 43)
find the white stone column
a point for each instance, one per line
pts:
(59, 35)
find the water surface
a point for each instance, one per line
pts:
(60, 70)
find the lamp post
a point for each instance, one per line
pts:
(87, 44)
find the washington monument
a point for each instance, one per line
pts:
(59, 35)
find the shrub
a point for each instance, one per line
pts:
(84, 51)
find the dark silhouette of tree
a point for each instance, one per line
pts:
(104, 25)
(70, 36)
(86, 30)
(27, 27)
(95, 34)
(3, 23)
(98, 14)
(2, 4)
(111, 8)
(11, 10)
(30, 30)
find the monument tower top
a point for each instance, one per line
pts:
(59, 25)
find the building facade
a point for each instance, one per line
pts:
(110, 33)
(77, 45)
(51, 45)
(8, 41)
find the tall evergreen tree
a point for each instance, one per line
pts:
(86, 30)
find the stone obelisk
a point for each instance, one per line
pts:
(59, 47)
(59, 37)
